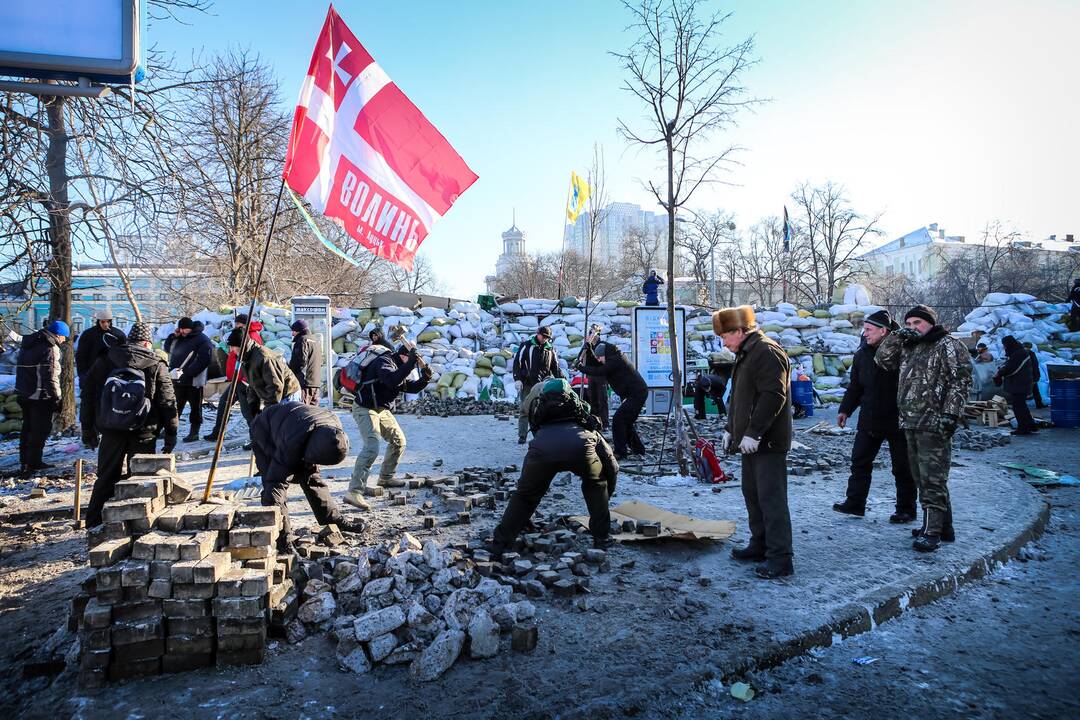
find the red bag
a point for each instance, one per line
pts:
(708, 463)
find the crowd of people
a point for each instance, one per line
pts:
(909, 383)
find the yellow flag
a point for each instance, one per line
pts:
(579, 194)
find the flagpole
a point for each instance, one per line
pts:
(244, 342)
(562, 255)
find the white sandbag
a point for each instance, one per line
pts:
(787, 308)
(431, 312)
(389, 310)
(342, 328)
(856, 294)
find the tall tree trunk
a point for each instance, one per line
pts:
(60, 245)
(676, 374)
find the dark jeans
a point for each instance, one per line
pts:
(37, 419)
(764, 488)
(597, 398)
(275, 482)
(114, 448)
(224, 412)
(1024, 421)
(1037, 395)
(717, 387)
(623, 432)
(865, 451)
(190, 395)
(535, 480)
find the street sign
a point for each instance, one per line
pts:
(99, 40)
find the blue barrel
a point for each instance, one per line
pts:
(1064, 402)
(802, 392)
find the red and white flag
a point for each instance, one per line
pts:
(362, 154)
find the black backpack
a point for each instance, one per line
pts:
(125, 401)
(557, 402)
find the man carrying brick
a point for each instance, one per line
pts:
(290, 441)
(935, 377)
(127, 396)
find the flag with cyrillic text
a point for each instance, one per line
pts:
(361, 153)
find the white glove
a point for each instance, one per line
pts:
(518, 385)
(749, 445)
(725, 441)
(175, 373)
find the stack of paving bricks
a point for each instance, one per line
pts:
(179, 585)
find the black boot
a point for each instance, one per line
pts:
(603, 543)
(849, 508)
(773, 570)
(902, 516)
(192, 436)
(750, 552)
(916, 532)
(351, 525)
(947, 532)
(930, 539)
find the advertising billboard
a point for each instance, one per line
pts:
(652, 344)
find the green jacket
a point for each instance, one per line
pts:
(269, 378)
(935, 377)
(760, 401)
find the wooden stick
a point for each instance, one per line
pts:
(78, 489)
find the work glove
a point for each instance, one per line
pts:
(947, 425)
(170, 441)
(749, 445)
(725, 442)
(427, 374)
(176, 373)
(907, 334)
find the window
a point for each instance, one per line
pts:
(99, 297)
(76, 296)
(163, 296)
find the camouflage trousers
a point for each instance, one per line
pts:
(930, 455)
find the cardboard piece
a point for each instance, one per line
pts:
(672, 525)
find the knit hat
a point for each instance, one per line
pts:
(241, 318)
(185, 323)
(923, 312)
(236, 336)
(734, 318)
(881, 319)
(545, 331)
(105, 314)
(59, 327)
(299, 326)
(140, 332)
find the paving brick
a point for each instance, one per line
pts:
(258, 516)
(221, 517)
(137, 668)
(186, 645)
(185, 608)
(186, 662)
(96, 616)
(523, 638)
(191, 627)
(278, 591)
(160, 589)
(212, 567)
(240, 626)
(239, 538)
(136, 611)
(144, 650)
(110, 597)
(134, 632)
(145, 547)
(232, 643)
(104, 532)
(135, 573)
(240, 607)
(193, 591)
(139, 487)
(171, 518)
(119, 510)
(148, 464)
(231, 584)
(109, 578)
(256, 583)
(109, 552)
(134, 594)
(98, 639)
(184, 571)
(198, 546)
(180, 491)
(94, 659)
(251, 553)
(196, 517)
(160, 570)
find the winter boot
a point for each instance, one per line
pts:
(931, 536)
(750, 552)
(192, 436)
(947, 532)
(901, 517)
(774, 570)
(916, 532)
(351, 525)
(849, 508)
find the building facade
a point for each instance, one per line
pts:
(619, 219)
(513, 249)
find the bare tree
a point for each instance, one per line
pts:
(421, 279)
(691, 86)
(762, 261)
(700, 240)
(834, 234)
(642, 250)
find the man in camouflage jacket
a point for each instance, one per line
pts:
(935, 377)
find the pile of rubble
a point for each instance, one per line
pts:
(178, 585)
(410, 603)
(972, 439)
(446, 407)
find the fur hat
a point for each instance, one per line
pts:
(140, 332)
(734, 318)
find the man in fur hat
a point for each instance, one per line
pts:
(759, 427)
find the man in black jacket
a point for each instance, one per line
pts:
(118, 445)
(534, 362)
(1074, 307)
(873, 391)
(1016, 377)
(566, 438)
(1036, 375)
(37, 390)
(384, 375)
(712, 384)
(628, 384)
(306, 362)
(290, 441)
(189, 356)
(97, 341)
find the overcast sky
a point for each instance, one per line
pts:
(956, 112)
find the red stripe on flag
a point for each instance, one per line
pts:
(414, 149)
(306, 144)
